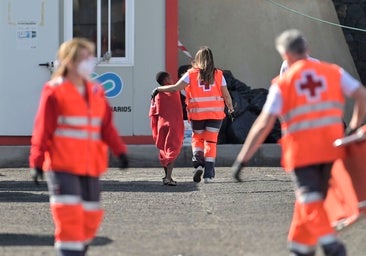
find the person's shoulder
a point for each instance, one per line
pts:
(276, 79)
(219, 71)
(329, 65)
(193, 70)
(55, 82)
(53, 86)
(313, 59)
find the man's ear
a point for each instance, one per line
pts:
(285, 56)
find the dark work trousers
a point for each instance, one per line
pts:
(313, 178)
(86, 188)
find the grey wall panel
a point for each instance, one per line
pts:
(241, 34)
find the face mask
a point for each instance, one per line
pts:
(86, 68)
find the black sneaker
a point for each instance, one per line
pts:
(197, 175)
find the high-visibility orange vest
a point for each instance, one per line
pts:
(76, 146)
(312, 112)
(204, 101)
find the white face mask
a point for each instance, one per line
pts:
(86, 67)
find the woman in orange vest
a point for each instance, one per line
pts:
(206, 96)
(73, 127)
(309, 100)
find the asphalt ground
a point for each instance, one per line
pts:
(144, 217)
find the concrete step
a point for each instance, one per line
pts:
(147, 156)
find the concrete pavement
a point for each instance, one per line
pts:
(144, 217)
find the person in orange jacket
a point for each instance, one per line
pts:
(206, 96)
(166, 121)
(73, 128)
(309, 99)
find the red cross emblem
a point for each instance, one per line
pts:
(310, 85)
(206, 86)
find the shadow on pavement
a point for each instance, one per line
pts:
(23, 197)
(23, 191)
(146, 186)
(22, 186)
(7, 239)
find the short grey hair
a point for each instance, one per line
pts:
(292, 41)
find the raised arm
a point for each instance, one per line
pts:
(180, 85)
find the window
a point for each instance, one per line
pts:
(109, 24)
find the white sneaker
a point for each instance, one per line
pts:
(209, 180)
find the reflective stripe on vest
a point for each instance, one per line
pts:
(78, 120)
(329, 105)
(77, 134)
(77, 123)
(314, 123)
(205, 99)
(200, 110)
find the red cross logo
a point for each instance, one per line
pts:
(206, 86)
(310, 85)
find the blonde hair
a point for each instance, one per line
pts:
(69, 53)
(205, 63)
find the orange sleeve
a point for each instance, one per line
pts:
(44, 127)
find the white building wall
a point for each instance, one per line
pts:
(139, 79)
(21, 79)
(149, 58)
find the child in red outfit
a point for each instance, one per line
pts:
(167, 126)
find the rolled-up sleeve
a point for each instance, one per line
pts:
(273, 103)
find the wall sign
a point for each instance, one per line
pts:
(112, 83)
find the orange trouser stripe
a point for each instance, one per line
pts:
(206, 140)
(68, 221)
(309, 223)
(92, 220)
